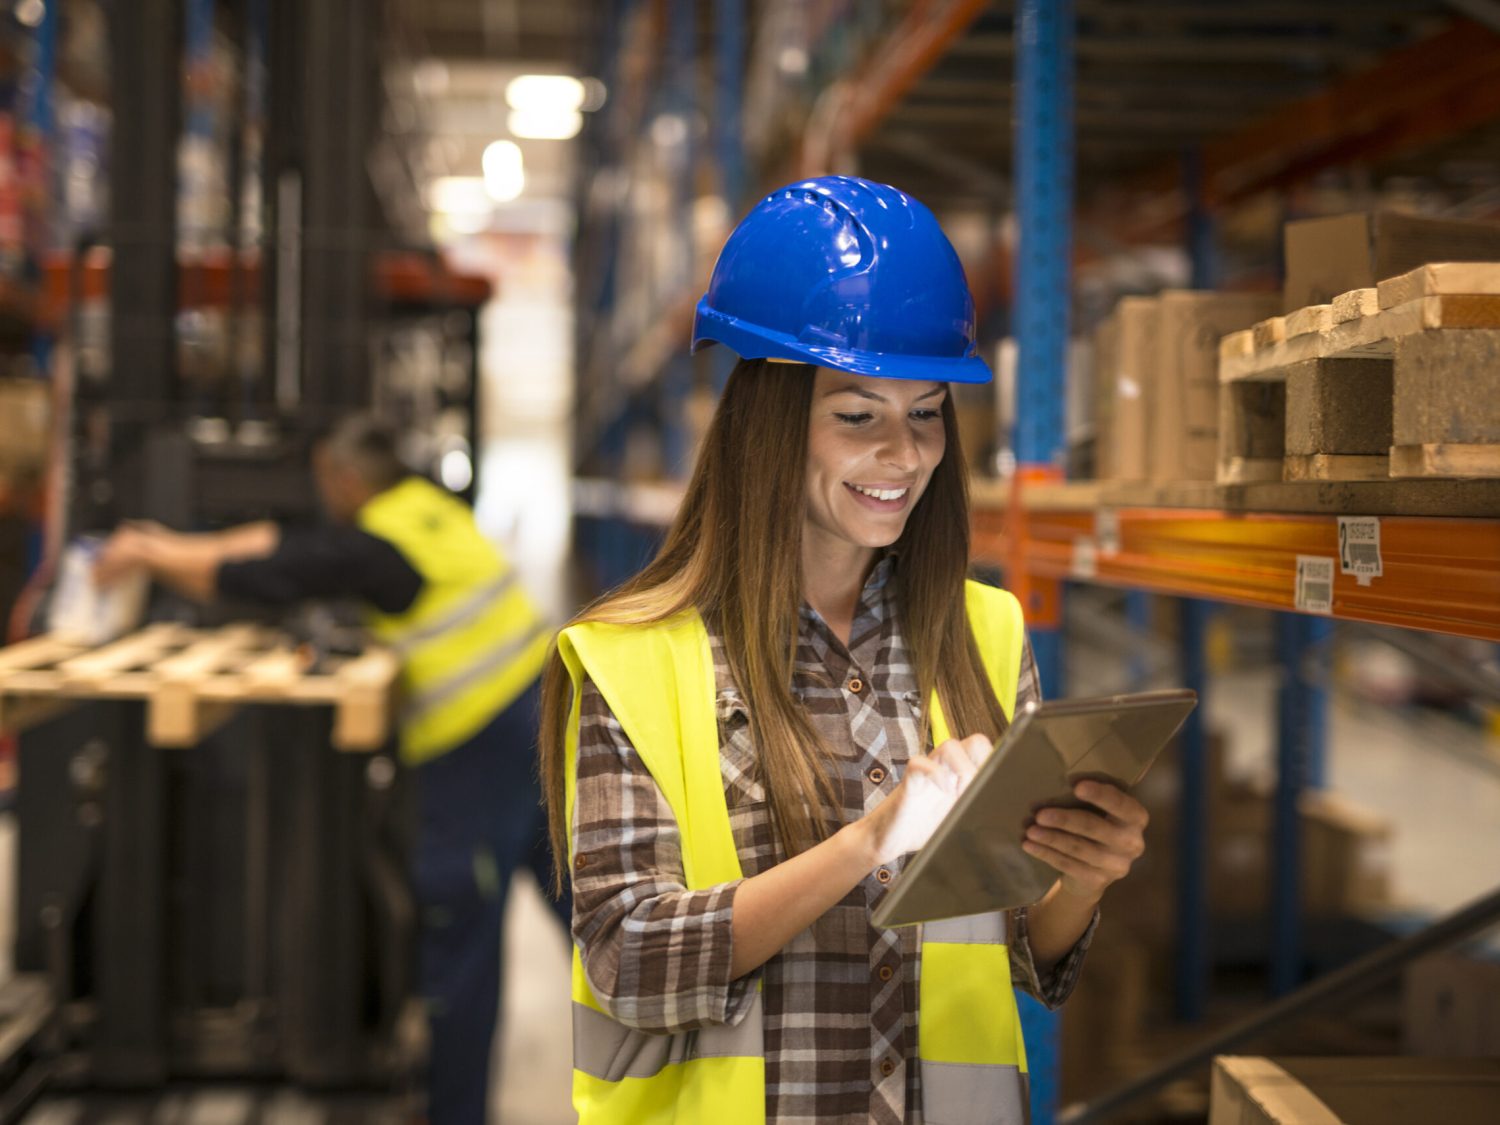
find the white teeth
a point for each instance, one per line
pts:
(881, 493)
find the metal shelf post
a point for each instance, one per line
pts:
(1299, 753)
(1044, 199)
(1192, 969)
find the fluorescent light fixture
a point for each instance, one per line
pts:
(545, 124)
(549, 92)
(504, 175)
(546, 107)
(458, 195)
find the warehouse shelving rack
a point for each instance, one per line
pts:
(1408, 86)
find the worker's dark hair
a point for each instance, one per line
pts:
(368, 446)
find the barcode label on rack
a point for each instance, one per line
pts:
(1085, 558)
(1359, 548)
(1314, 584)
(1107, 531)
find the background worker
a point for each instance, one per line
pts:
(472, 646)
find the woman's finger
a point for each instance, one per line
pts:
(1101, 859)
(978, 747)
(1113, 800)
(952, 755)
(1064, 864)
(1092, 826)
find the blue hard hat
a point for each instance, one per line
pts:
(843, 273)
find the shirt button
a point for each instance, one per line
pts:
(877, 775)
(856, 685)
(581, 861)
(883, 875)
(886, 972)
(887, 1067)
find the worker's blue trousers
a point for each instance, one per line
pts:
(481, 820)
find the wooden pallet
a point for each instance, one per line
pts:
(1265, 351)
(1433, 334)
(193, 681)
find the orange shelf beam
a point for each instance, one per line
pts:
(208, 281)
(1440, 575)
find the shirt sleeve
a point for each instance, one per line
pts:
(657, 955)
(1057, 984)
(325, 562)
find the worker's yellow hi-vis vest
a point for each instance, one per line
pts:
(659, 682)
(472, 641)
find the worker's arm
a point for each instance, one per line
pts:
(188, 563)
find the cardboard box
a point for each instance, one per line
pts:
(1329, 256)
(1106, 349)
(1354, 1091)
(25, 423)
(1184, 394)
(1451, 1008)
(1346, 854)
(1124, 387)
(1346, 849)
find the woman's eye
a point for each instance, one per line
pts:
(853, 419)
(926, 415)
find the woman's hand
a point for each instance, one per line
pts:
(1090, 851)
(906, 819)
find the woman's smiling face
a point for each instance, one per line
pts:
(872, 446)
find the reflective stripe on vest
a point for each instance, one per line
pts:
(659, 682)
(472, 641)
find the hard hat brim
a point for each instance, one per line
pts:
(755, 342)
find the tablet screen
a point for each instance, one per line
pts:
(974, 861)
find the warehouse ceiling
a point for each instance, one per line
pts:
(1156, 80)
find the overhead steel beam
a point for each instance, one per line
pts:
(1276, 50)
(1486, 12)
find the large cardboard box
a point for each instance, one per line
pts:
(1354, 1091)
(1329, 256)
(1451, 1008)
(1184, 390)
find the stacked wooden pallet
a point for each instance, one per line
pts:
(194, 680)
(1399, 381)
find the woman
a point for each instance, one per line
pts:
(743, 743)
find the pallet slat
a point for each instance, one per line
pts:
(1440, 460)
(1439, 279)
(194, 681)
(1355, 304)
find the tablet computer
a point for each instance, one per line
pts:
(974, 861)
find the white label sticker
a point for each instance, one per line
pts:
(1359, 548)
(1314, 584)
(1107, 531)
(1085, 558)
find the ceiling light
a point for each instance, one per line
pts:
(554, 124)
(504, 174)
(458, 195)
(545, 92)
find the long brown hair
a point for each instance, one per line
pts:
(734, 553)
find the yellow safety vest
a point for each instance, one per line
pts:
(472, 641)
(659, 682)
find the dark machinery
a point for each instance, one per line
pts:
(238, 910)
